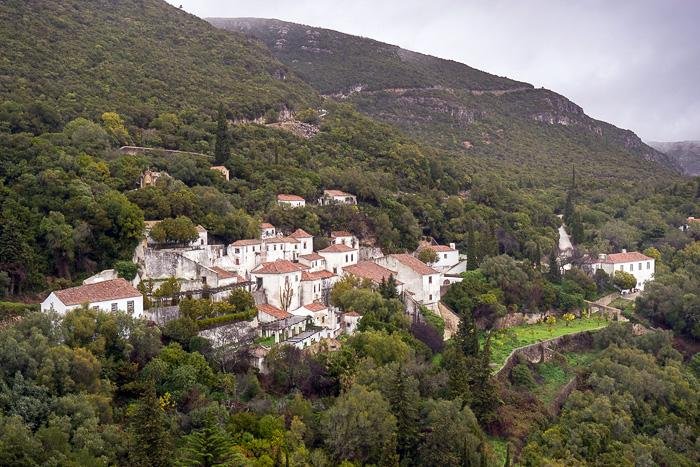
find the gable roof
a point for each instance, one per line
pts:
(316, 275)
(224, 274)
(114, 289)
(300, 233)
(281, 266)
(626, 257)
(315, 306)
(337, 248)
(335, 193)
(272, 311)
(441, 248)
(266, 225)
(247, 242)
(370, 270)
(340, 233)
(418, 266)
(312, 256)
(286, 197)
(200, 228)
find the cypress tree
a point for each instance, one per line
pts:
(404, 398)
(222, 145)
(150, 440)
(554, 274)
(472, 262)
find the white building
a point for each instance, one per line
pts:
(268, 313)
(640, 266)
(314, 262)
(281, 248)
(291, 201)
(306, 241)
(316, 285)
(222, 170)
(281, 281)
(267, 230)
(343, 237)
(336, 197)
(319, 313)
(111, 295)
(350, 321)
(374, 273)
(245, 255)
(420, 280)
(338, 256)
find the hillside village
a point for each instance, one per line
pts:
(289, 279)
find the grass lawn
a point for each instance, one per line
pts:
(503, 343)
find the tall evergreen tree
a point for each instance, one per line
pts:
(387, 288)
(554, 274)
(467, 334)
(149, 439)
(570, 204)
(404, 398)
(222, 145)
(472, 262)
(208, 447)
(576, 227)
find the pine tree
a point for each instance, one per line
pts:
(403, 395)
(467, 334)
(554, 274)
(472, 262)
(149, 439)
(387, 288)
(208, 447)
(222, 145)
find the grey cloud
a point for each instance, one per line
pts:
(633, 63)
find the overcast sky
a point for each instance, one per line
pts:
(633, 63)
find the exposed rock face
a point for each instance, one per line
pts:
(685, 153)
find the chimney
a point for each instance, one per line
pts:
(624, 250)
(452, 245)
(602, 256)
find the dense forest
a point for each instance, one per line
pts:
(79, 80)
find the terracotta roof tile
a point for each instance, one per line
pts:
(285, 197)
(440, 248)
(369, 270)
(114, 289)
(282, 266)
(316, 275)
(315, 307)
(628, 257)
(352, 313)
(272, 311)
(247, 242)
(338, 248)
(266, 225)
(415, 264)
(312, 256)
(335, 193)
(224, 274)
(300, 233)
(340, 233)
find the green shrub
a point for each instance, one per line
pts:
(209, 323)
(10, 309)
(521, 376)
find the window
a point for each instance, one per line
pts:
(237, 250)
(130, 306)
(335, 270)
(430, 279)
(639, 268)
(445, 256)
(346, 258)
(238, 261)
(304, 245)
(114, 307)
(622, 267)
(430, 297)
(648, 264)
(352, 257)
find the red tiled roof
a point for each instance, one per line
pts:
(369, 270)
(285, 197)
(335, 193)
(352, 313)
(441, 248)
(224, 274)
(281, 240)
(338, 248)
(266, 225)
(312, 256)
(693, 219)
(272, 311)
(340, 233)
(315, 306)
(300, 233)
(628, 257)
(114, 289)
(415, 264)
(246, 242)
(281, 266)
(317, 275)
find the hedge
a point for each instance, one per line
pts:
(10, 309)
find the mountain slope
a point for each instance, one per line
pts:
(116, 55)
(685, 153)
(451, 105)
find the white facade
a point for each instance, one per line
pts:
(281, 248)
(344, 238)
(245, 255)
(339, 256)
(291, 201)
(640, 266)
(350, 322)
(336, 197)
(306, 241)
(313, 261)
(448, 257)
(419, 279)
(110, 296)
(315, 286)
(52, 302)
(279, 279)
(267, 230)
